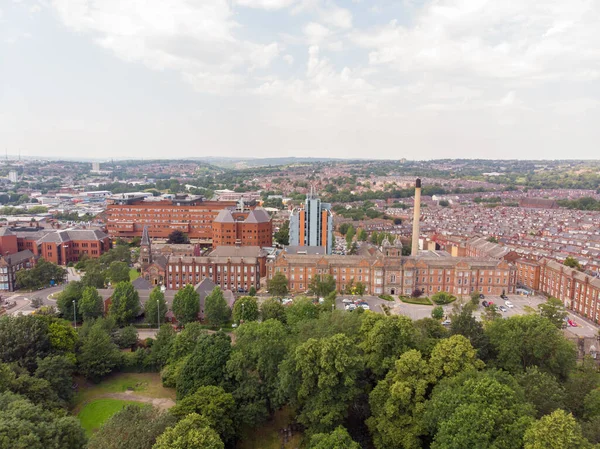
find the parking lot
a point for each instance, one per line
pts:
(520, 306)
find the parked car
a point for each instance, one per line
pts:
(285, 301)
(485, 304)
(481, 296)
(365, 306)
(503, 296)
(446, 322)
(503, 309)
(347, 301)
(508, 304)
(350, 307)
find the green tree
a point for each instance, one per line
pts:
(272, 308)
(321, 285)
(482, 410)
(252, 291)
(343, 228)
(155, 309)
(163, 345)
(58, 371)
(302, 309)
(41, 275)
(253, 368)
(437, 313)
(443, 203)
(278, 285)
(118, 272)
(98, 356)
(186, 304)
(362, 235)
(282, 236)
(558, 430)
(338, 439)
(442, 298)
(206, 364)
(125, 306)
(63, 338)
(216, 309)
(212, 403)
(397, 402)
(542, 390)
(192, 432)
(178, 238)
(554, 310)
(70, 296)
(126, 337)
(245, 309)
(320, 378)
(24, 425)
(581, 381)
(527, 340)
(95, 275)
(571, 262)
(350, 236)
(132, 427)
(384, 339)
(462, 322)
(24, 339)
(91, 304)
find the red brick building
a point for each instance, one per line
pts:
(216, 222)
(252, 228)
(393, 275)
(192, 215)
(57, 246)
(62, 247)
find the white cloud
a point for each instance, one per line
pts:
(289, 59)
(195, 39)
(315, 32)
(265, 4)
(511, 39)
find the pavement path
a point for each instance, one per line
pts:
(161, 403)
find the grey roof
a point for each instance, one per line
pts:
(4, 230)
(145, 237)
(237, 251)
(19, 257)
(258, 215)
(142, 284)
(72, 234)
(311, 250)
(224, 217)
(205, 287)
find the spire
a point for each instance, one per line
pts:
(145, 237)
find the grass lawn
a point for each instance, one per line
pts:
(145, 384)
(422, 301)
(267, 436)
(96, 413)
(133, 274)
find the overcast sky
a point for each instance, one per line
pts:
(419, 79)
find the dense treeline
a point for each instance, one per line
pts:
(353, 379)
(586, 203)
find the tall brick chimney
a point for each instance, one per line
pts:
(416, 219)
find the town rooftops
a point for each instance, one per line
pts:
(238, 251)
(17, 258)
(73, 234)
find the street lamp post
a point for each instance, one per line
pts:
(74, 314)
(243, 312)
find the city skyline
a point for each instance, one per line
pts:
(307, 78)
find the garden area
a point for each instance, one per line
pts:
(94, 404)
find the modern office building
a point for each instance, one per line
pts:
(312, 225)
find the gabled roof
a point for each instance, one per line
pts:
(4, 230)
(142, 284)
(224, 217)
(145, 237)
(258, 215)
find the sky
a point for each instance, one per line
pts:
(386, 79)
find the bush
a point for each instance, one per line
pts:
(386, 297)
(421, 301)
(443, 298)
